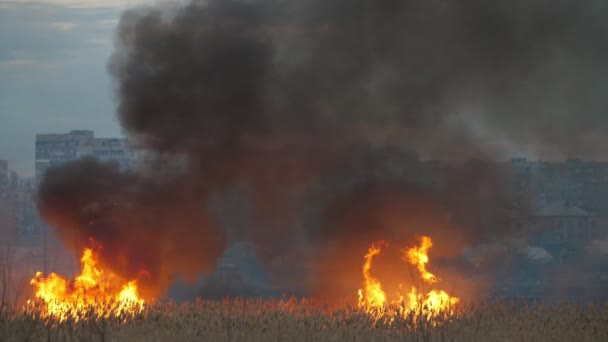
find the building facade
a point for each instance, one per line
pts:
(4, 177)
(563, 229)
(54, 149)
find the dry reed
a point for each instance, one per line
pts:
(299, 320)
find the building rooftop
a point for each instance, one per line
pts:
(561, 209)
(536, 254)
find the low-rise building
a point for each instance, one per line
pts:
(563, 229)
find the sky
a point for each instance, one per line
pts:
(53, 72)
(54, 78)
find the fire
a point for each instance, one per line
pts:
(418, 256)
(434, 302)
(374, 295)
(93, 290)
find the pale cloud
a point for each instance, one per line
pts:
(63, 25)
(107, 22)
(27, 64)
(17, 62)
(101, 41)
(83, 3)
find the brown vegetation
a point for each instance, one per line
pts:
(300, 320)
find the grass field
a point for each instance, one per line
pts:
(299, 320)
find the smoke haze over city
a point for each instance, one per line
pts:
(306, 130)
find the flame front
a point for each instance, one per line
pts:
(93, 290)
(428, 304)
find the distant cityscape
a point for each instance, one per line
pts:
(569, 201)
(26, 245)
(53, 149)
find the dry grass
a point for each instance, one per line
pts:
(294, 320)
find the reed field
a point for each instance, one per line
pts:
(301, 320)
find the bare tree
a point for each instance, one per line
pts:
(6, 271)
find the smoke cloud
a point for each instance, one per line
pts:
(147, 230)
(299, 107)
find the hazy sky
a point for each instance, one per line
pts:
(53, 77)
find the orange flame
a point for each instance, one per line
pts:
(418, 256)
(374, 295)
(93, 290)
(432, 303)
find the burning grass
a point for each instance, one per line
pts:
(301, 320)
(94, 291)
(98, 306)
(373, 299)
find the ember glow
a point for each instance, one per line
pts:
(418, 300)
(94, 290)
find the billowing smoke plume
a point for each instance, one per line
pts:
(147, 229)
(288, 104)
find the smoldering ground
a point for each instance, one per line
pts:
(282, 101)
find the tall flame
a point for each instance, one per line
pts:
(93, 290)
(374, 295)
(418, 256)
(434, 302)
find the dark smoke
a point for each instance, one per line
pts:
(149, 230)
(297, 107)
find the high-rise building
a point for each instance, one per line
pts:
(4, 177)
(53, 149)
